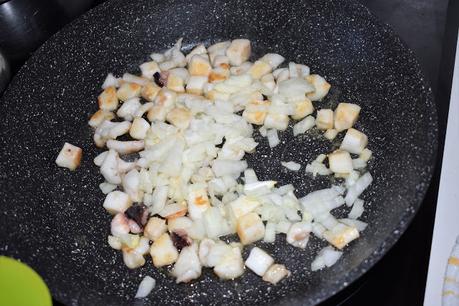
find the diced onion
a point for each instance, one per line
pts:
(358, 163)
(359, 225)
(356, 190)
(250, 176)
(291, 165)
(304, 125)
(106, 187)
(283, 227)
(270, 232)
(357, 209)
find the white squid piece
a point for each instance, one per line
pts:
(230, 265)
(273, 59)
(188, 266)
(155, 228)
(298, 234)
(276, 273)
(128, 109)
(134, 257)
(218, 49)
(99, 159)
(205, 247)
(321, 87)
(250, 228)
(69, 156)
(108, 100)
(164, 102)
(117, 202)
(340, 235)
(109, 168)
(163, 251)
(259, 261)
(346, 114)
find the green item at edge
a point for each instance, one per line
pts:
(21, 286)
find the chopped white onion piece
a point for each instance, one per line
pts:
(304, 125)
(146, 286)
(228, 167)
(273, 59)
(346, 115)
(354, 141)
(282, 190)
(107, 187)
(188, 266)
(340, 235)
(259, 188)
(291, 165)
(283, 227)
(294, 87)
(330, 134)
(273, 138)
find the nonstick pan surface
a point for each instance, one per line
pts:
(53, 219)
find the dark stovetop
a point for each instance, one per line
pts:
(429, 27)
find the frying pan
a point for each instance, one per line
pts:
(53, 219)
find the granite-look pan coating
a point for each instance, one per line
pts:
(53, 219)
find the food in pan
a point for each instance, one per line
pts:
(177, 184)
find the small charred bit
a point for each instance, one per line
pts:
(161, 78)
(265, 97)
(180, 239)
(137, 213)
(221, 144)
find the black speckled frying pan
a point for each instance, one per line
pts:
(53, 219)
